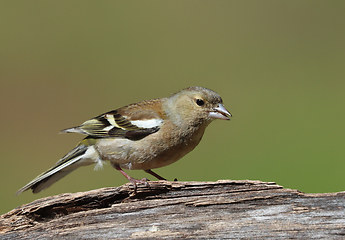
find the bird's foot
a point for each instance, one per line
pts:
(135, 181)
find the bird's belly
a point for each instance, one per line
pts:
(143, 155)
(164, 159)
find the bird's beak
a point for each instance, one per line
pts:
(220, 112)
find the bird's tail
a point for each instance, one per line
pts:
(83, 154)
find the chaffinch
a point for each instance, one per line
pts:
(145, 135)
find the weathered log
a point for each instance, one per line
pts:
(173, 210)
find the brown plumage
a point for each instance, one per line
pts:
(144, 135)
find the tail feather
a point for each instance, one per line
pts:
(48, 181)
(80, 156)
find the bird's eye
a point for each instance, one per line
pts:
(199, 102)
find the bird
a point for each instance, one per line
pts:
(140, 136)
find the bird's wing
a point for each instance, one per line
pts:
(130, 122)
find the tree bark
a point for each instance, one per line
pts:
(174, 210)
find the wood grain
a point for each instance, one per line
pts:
(173, 210)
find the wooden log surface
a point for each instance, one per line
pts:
(173, 210)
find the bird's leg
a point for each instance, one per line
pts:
(154, 174)
(132, 180)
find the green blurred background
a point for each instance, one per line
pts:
(278, 65)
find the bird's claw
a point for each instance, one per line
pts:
(135, 181)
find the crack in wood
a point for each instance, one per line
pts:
(240, 209)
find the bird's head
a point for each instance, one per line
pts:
(196, 105)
